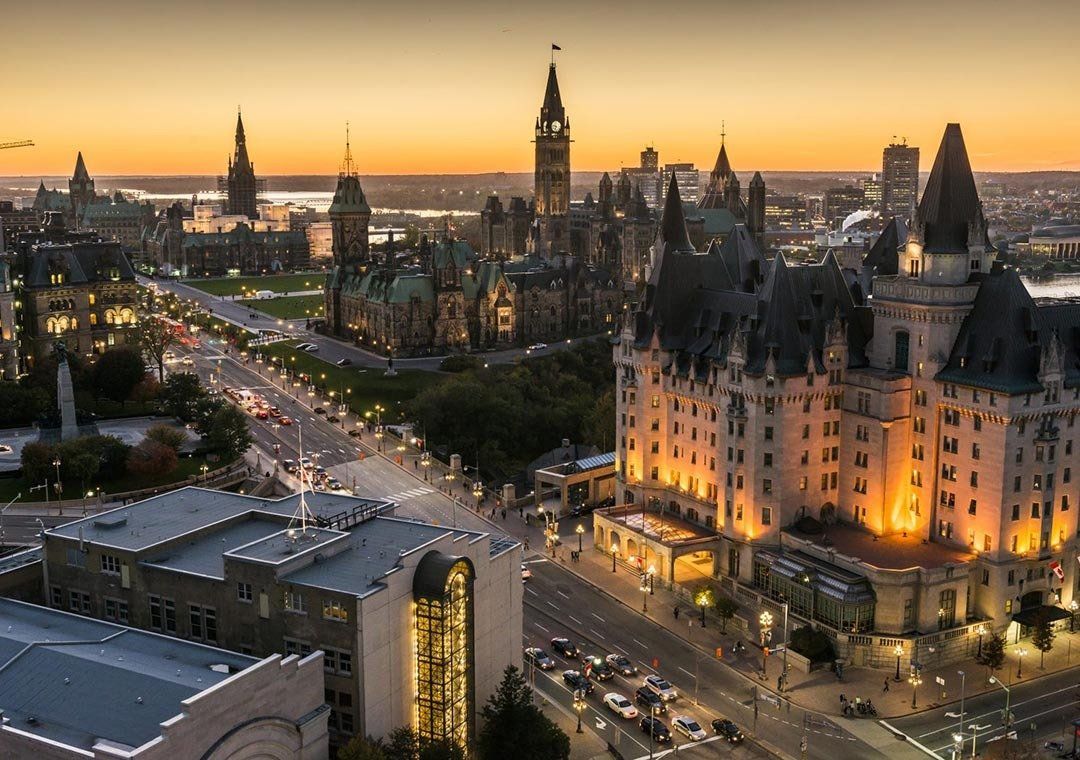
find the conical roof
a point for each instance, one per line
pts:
(723, 166)
(80, 168)
(241, 161)
(673, 222)
(552, 109)
(349, 197)
(950, 202)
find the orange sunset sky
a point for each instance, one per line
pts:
(148, 87)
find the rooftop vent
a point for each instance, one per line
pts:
(108, 522)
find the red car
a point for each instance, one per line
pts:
(285, 421)
(261, 414)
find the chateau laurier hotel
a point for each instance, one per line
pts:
(886, 445)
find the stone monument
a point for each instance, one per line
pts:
(65, 395)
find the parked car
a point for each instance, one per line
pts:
(595, 667)
(333, 418)
(538, 346)
(333, 484)
(303, 346)
(564, 646)
(650, 701)
(539, 657)
(312, 348)
(620, 705)
(688, 727)
(526, 573)
(656, 727)
(660, 688)
(621, 664)
(355, 433)
(343, 362)
(725, 728)
(289, 465)
(577, 682)
(319, 410)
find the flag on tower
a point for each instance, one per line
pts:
(555, 47)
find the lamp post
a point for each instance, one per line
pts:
(783, 673)
(915, 679)
(579, 707)
(765, 621)
(644, 592)
(59, 486)
(1021, 652)
(981, 631)
(1073, 607)
(1006, 716)
(614, 554)
(898, 650)
(580, 530)
(963, 684)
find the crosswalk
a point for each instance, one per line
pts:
(412, 493)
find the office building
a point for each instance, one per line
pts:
(784, 212)
(416, 621)
(899, 180)
(873, 191)
(841, 202)
(74, 688)
(687, 177)
(898, 469)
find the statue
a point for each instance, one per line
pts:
(65, 394)
(390, 371)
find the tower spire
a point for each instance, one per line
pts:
(347, 164)
(723, 133)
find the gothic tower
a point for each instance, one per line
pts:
(242, 186)
(755, 210)
(552, 175)
(349, 217)
(81, 190)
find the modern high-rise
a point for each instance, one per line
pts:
(650, 160)
(899, 180)
(898, 468)
(841, 202)
(873, 188)
(687, 177)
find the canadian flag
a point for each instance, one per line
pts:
(1055, 568)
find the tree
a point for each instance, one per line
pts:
(21, 405)
(515, 727)
(598, 427)
(113, 454)
(151, 458)
(117, 373)
(180, 394)
(155, 336)
(362, 748)
(404, 744)
(725, 609)
(993, 652)
(146, 389)
(37, 462)
(1042, 635)
(203, 417)
(229, 435)
(167, 435)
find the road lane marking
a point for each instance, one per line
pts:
(575, 620)
(563, 593)
(616, 646)
(684, 670)
(596, 633)
(646, 665)
(910, 739)
(553, 606)
(639, 644)
(530, 591)
(597, 617)
(542, 628)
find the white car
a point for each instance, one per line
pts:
(619, 704)
(688, 727)
(187, 361)
(526, 573)
(312, 348)
(660, 688)
(304, 346)
(538, 346)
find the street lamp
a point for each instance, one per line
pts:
(1073, 607)
(614, 554)
(898, 650)
(1021, 652)
(981, 631)
(703, 598)
(765, 621)
(579, 707)
(963, 686)
(1006, 717)
(644, 592)
(915, 680)
(580, 530)
(59, 486)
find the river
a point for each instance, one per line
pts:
(1060, 286)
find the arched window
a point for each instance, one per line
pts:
(110, 317)
(50, 325)
(127, 316)
(900, 350)
(74, 323)
(93, 299)
(93, 318)
(62, 324)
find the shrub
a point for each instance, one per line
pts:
(172, 437)
(812, 644)
(152, 458)
(459, 363)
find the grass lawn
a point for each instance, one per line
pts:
(279, 283)
(292, 307)
(185, 467)
(368, 388)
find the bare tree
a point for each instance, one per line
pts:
(155, 338)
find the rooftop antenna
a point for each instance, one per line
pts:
(302, 514)
(347, 165)
(723, 132)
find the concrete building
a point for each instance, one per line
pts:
(899, 180)
(873, 190)
(77, 688)
(840, 202)
(898, 468)
(9, 328)
(785, 212)
(118, 219)
(416, 621)
(688, 178)
(1060, 242)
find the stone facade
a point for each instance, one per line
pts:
(940, 414)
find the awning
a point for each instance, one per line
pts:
(1029, 616)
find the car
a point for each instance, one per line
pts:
(688, 727)
(526, 573)
(320, 470)
(539, 657)
(355, 433)
(577, 682)
(187, 361)
(306, 463)
(289, 465)
(312, 348)
(318, 485)
(656, 727)
(333, 418)
(274, 411)
(595, 667)
(261, 414)
(564, 646)
(168, 355)
(725, 728)
(650, 701)
(319, 410)
(304, 346)
(620, 705)
(343, 362)
(660, 688)
(284, 420)
(333, 484)
(538, 346)
(621, 664)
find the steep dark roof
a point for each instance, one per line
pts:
(552, 110)
(883, 257)
(80, 169)
(745, 264)
(950, 202)
(349, 196)
(241, 161)
(723, 166)
(673, 222)
(1003, 339)
(79, 262)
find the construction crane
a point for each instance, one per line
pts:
(17, 144)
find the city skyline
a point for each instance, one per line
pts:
(471, 78)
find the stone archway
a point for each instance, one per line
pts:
(631, 547)
(614, 540)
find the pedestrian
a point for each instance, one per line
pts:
(885, 690)
(521, 511)
(526, 543)
(676, 612)
(504, 514)
(416, 464)
(843, 699)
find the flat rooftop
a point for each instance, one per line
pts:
(74, 680)
(144, 524)
(665, 528)
(893, 552)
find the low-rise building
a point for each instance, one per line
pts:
(74, 688)
(416, 621)
(1061, 242)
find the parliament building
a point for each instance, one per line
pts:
(885, 446)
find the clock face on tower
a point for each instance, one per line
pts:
(556, 126)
